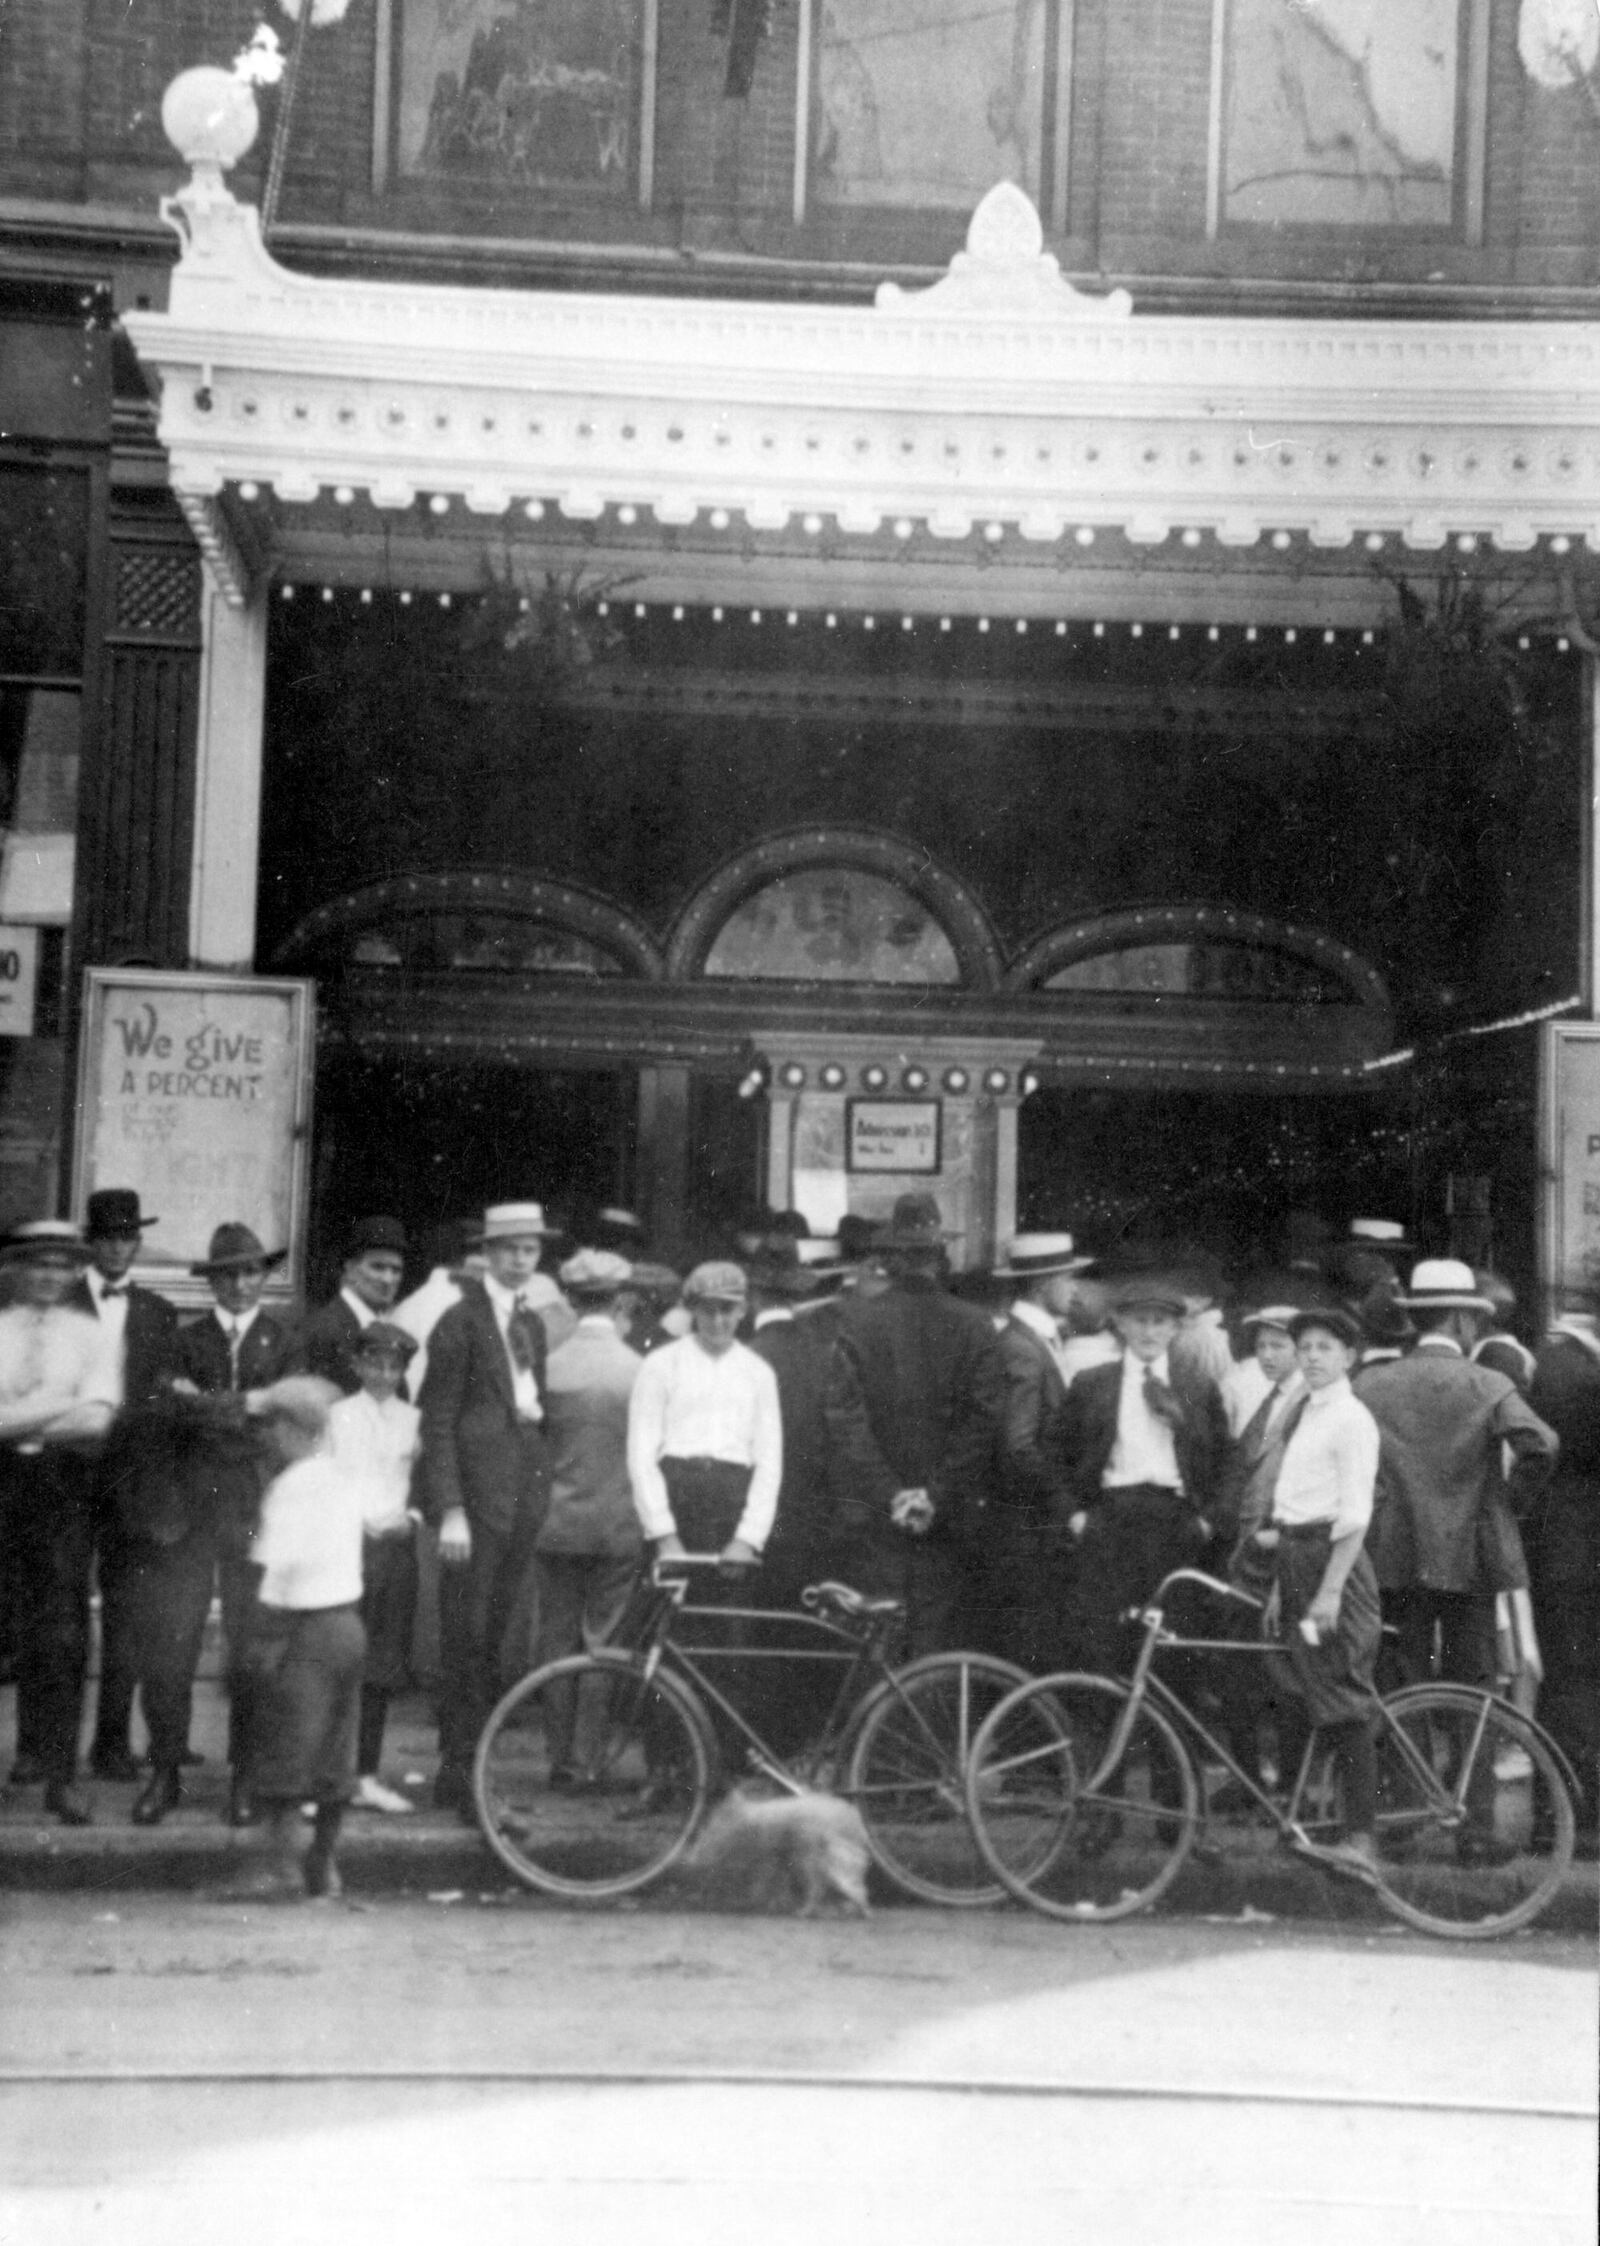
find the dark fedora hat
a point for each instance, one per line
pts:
(776, 1268)
(113, 1209)
(916, 1222)
(370, 1234)
(233, 1247)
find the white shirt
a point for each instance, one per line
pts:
(1330, 1463)
(1081, 1351)
(309, 1540)
(363, 1311)
(502, 1301)
(688, 1404)
(55, 1364)
(376, 1443)
(1144, 1450)
(112, 1313)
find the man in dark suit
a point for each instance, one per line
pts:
(141, 1328)
(236, 1347)
(369, 1285)
(1144, 1443)
(799, 1350)
(915, 1398)
(1021, 1564)
(483, 1478)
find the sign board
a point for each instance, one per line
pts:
(195, 1091)
(19, 980)
(898, 1135)
(1569, 1078)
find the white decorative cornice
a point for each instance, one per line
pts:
(231, 571)
(996, 403)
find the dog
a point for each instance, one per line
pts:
(791, 1853)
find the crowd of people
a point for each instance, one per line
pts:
(1018, 1456)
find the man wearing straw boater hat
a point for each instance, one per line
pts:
(914, 1410)
(57, 1395)
(1446, 1525)
(1025, 1594)
(483, 1478)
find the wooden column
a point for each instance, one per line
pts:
(227, 811)
(663, 1164)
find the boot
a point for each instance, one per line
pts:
(320, 1868)
(269, 1867)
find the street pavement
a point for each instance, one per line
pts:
(179, 2070)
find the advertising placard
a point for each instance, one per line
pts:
(195, 1090)
(901, 1135)
(1570, 1086)
(19, 980)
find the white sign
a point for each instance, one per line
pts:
(195, 1092)
(19, 980)
(893, 1135)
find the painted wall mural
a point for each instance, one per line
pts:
(535, 93)
(1342, 112)
(928, 107)
(834, 924)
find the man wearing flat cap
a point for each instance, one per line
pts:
(141, 1330)
(1445, 1527)
(483, 1479)
(369, 1286)
(915, 1406)
(58, 1390)
(1144, 1440)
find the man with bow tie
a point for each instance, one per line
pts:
(1144, 1442)
(484, 1478)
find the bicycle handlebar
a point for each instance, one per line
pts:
(1157, 1598)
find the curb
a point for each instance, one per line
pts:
(442, 1861)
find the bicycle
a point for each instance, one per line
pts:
(1085, 1799)
(646, 1716)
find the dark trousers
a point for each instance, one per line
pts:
(388, 1612)
(1443, 1635)
(116, 1560)
(47, 1549)
(169, 1598)
(1133, 1537)
(237, 1581)
(924, 1572)
(304, 1710)
(476, 1603)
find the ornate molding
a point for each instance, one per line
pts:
(519, 895)
(1004, 273)
(227, 565)
(987, 404)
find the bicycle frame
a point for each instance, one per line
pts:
(858, 1647)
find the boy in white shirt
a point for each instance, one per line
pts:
(306, 1642)
(374, 1437)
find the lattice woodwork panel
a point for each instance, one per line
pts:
(157, 592)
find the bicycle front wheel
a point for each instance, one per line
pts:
(591, 1778)
(905, 1770)
(1067, 1821)
(1475, 1821)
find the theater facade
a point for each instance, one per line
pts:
(1115, 750)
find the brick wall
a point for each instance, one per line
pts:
(81, 84)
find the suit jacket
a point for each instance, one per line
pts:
(1032, 1473)
(326, 1344)
(1564, 1534)
(800, 1353)
(916, 1394)
(1250, 1470)
(1445, 1514)
(587, 1385)
(223, 1466)
(149, 1361)
(1089, 1433)
(476, 1453)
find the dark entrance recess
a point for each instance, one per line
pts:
(1235, 1174)
(431, 1140)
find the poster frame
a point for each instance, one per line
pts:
(929, 1109)
(286, 1282)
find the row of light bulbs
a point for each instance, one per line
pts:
(913, 1078)
(1061, 627)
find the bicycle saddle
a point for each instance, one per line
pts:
(846, 1601)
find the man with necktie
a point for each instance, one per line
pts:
(483, 1479)
(236, 1347)
(1144, 1442)
(141, 1331)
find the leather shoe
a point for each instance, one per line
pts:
(162, 1791)
(115, 1765)
(241, 1809)
(68, 1802)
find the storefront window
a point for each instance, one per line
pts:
(482, 943)
(1242, 972)
(39, 751)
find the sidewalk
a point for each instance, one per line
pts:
(433, 1853)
